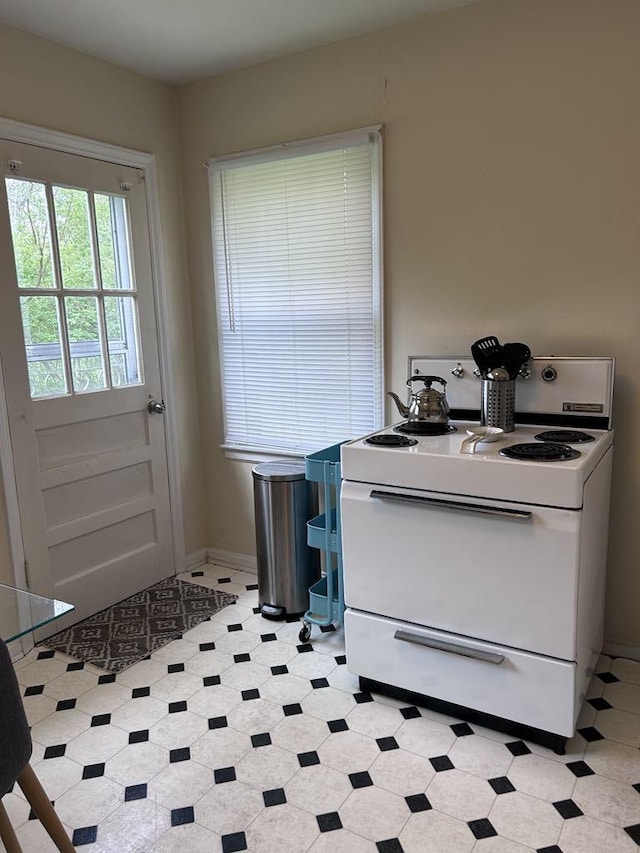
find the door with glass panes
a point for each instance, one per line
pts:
(80, 365)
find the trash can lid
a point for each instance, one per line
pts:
(280, 471)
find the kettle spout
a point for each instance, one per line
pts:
(404, 410)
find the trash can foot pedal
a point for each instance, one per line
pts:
(273, 611)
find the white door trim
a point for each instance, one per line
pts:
(14, 528)
(58, 141)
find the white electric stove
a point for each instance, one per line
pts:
(478, 579)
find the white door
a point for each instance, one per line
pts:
(80, 364)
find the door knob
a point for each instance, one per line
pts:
(156, 407)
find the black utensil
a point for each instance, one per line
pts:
(515, 355)
(487, 354)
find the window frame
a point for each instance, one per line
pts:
(275, 153)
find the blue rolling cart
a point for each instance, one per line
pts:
(326, 596)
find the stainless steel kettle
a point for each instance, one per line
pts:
(425, 405)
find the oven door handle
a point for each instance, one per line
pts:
(440, 503)
(452, 648)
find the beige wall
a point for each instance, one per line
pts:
(512, 202)
(44, 84)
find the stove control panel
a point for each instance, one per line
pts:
(554, 386)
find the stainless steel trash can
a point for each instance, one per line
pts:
(284, 502)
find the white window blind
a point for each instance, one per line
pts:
(297, 259)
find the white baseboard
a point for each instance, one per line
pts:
(246, 562)
(195, 560)
(619, 651)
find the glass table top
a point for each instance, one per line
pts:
(22, 611)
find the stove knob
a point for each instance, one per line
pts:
(477, 373)
(458, 371)
(549, 373)
(525, 372)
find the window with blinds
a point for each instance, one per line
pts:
(297, 259)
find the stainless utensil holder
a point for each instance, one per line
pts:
(498, 404)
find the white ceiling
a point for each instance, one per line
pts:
(182, 40)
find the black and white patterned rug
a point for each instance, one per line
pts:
(129, 631)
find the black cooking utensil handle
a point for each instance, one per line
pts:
(487, 354)
(490, 341)
(522, 349)
(516, 355)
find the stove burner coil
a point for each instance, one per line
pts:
(387, 440)
(565, 436)
(543, 452)
(424, 428)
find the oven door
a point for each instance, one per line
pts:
(493, 570)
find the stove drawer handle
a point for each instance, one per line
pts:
(481, 509)
(453, 648)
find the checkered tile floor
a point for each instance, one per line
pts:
(237, 737)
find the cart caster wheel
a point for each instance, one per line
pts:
(305, 634)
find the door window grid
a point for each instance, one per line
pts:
(72, 249)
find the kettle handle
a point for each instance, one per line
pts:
(426, 379)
